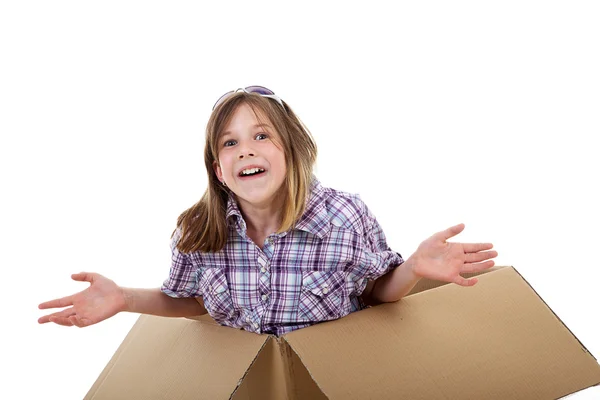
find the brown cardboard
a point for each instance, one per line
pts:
(495, 340)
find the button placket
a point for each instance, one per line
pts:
(263, 264)
(253, 324)
(264, 279)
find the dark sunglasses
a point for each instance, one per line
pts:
(263, 91)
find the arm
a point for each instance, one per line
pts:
(104, 299)
(183, 298)
(155, 302)
(435, 259)
(395, 284)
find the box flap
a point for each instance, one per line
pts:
(277, 374)
(426, 284)
(301, 385)
(266, 378)
(177, 359)
(495, 340)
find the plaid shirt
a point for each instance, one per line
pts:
(312, 273)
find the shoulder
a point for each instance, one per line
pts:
(329, 208)
(346, 210)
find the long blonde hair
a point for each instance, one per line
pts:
(203, 226)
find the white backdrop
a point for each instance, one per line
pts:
(435, 112)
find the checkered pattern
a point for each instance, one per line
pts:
(313, 273)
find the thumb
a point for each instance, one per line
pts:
(451, 232)
(459, 280)
(84, 277)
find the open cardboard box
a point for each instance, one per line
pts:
(495, 340)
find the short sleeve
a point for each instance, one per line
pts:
(381, 258)
(183, 277)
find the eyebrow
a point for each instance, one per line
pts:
(226, 133)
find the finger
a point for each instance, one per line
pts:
(459, 280)
(64, 321)
(481, 256)
(68, 300)
(80, 321)
(84, 277)
(75, 320)
(450, 232)
(57, 303)
(475, 247)
(477, 266)
(64, 313)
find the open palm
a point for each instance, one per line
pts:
(101, 300)
(441, 260)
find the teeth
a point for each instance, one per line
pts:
(251, 171)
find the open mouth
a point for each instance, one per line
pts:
(251, 172)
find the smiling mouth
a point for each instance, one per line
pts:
(251, 172)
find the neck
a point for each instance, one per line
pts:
(262, 219)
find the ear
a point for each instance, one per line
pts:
(217, 169)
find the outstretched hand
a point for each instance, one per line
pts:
(440, 260)
(101, 300)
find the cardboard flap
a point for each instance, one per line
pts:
(426, 284)
(277, 374)
(495, 340)
(266, 378)
(300, 384)
(170, 358)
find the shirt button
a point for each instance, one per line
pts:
(248, 319)
(256, 325)
(325, 290)
(264, 297)
(270, 240)
(263, 270)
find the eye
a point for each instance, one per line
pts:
(261, 136)
(229, 143)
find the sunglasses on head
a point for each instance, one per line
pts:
(263, 91)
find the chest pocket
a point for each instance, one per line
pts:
(216, 294)
(323, 296)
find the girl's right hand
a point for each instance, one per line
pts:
(101, 300)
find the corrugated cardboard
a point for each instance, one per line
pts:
(495, 340)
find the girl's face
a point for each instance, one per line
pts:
(250, 162)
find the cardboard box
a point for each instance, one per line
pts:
(495, 340)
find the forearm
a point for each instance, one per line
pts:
(155, 302)
(395, 284)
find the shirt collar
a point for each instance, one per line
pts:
(314, 220)
(232, 208)
(234, 211)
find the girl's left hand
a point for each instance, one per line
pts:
(440, 260)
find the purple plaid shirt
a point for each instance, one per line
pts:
(313, 273)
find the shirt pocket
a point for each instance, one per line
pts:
(216, 294)
(244, 286)
(323, 296)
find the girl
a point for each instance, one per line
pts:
(267, 248)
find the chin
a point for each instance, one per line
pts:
(253, 197)
(260, 196)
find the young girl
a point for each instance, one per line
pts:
(267, 248)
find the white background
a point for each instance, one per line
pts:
(435, 112)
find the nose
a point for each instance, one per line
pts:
(246, 151)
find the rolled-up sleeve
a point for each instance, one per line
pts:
(381, 258)
(183, 277)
